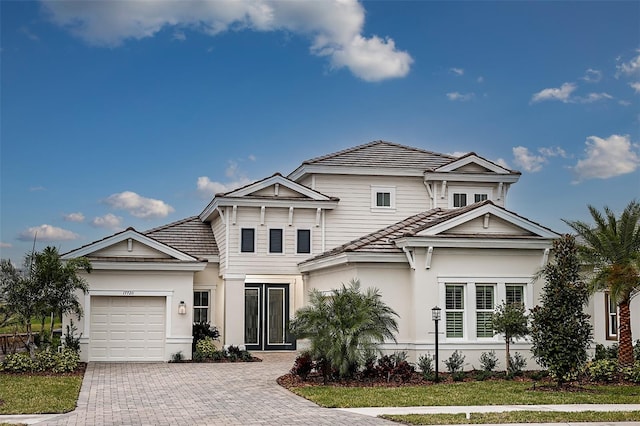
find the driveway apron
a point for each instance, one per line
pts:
(197, 394)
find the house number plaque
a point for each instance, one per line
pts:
(127, 293)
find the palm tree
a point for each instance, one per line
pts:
(612, 246)
(344, 325)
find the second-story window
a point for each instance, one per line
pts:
(303, 243)
(480, 197)
(383, 198)
(459, 199)
(247, 240)
(275, 240)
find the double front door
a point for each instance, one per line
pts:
(266, 317)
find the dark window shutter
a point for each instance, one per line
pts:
(304, 241)
(275, 240)
(248, 240)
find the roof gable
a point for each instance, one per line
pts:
(473, 163)
(275, 186)
(129, 244)
(488, 219)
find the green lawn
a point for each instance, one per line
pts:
(516, 417)
(38, 394)
(469, 393)
(36, 325)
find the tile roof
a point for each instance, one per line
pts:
(382, 241)
(383, 154)
(189, 235)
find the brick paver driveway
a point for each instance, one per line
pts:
(197, 394)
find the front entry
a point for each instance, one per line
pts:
(266, 317)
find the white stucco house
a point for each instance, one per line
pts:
(425, 228)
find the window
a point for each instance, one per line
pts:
(454, 310)
(459, 200)
(383, 198)
(484, 310)
(611, 320)
(248, 240)
(514, 293)
(275, 241)
(200, 306)
(463, 196)
(303, 242)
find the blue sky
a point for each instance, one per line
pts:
(130, 113)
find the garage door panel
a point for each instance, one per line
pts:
(127, 328)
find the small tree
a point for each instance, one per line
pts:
(510, 320)
(560, 330)
(59, 281)
(344, 325)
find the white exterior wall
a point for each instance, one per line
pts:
(597, 310)
(354, 216)
(173, 286)
(412, 294)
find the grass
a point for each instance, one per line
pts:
(468, 393)
(516, 417)
(38, 394)
(36, 325)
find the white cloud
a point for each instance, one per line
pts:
(502, 162)
(5, 245)
(563, 93)
(458, 153)
(457, 71)
(37, 188)
(462, 97)
(553, 151)
(74, 217)
(593, 97)
(179, 35)
(138, 206)
(109, 221)
(208, 188)
(480, 79)
(528, 161)
(629, 68)
(47, 233)
(592, 76)
(606, 158)
(635, 86)
(252, 157)
(624, 103)
(334, 27)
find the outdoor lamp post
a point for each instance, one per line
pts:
(435, 315)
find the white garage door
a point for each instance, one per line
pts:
(125, 328)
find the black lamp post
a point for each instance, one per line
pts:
(435, 315)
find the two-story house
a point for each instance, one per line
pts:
(425, 228)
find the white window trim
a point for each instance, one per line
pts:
(255, 239)
(608, 314)
(469, 328)
(208, 307)
(375, 189)
(465, 310)
(494, 286)
(283, 242)
(295, 243)
(470, 192)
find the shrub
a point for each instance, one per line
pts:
(455, 363)
(603, 370)
(636, 350)
(303, 365)
(606, 352)
(370, 369)
(17, 363)
(177, 357)
(395, 366)
(45, 360)
(632, 374)
(488, 361)
(66, 361)
(234, 353)
(201, 330)
(516, 364)
(425, 363)
(206, 349)
(70, 340)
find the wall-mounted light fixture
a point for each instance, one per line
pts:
(182, 308)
